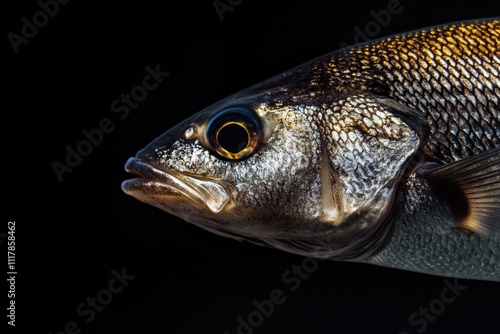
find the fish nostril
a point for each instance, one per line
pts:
(190, 132)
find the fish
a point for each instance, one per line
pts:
(385, 153)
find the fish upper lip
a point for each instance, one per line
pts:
(215, 194)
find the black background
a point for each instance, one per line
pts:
(70, 235)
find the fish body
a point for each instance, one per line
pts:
(385, 153)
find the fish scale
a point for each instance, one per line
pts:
(458, 69)
(364, 122)
(466, 52)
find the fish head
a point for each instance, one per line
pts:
(278, 163)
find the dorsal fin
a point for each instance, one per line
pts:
(478, 178)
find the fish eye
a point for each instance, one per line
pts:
(234, 133)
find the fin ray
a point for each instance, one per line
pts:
(478, 178)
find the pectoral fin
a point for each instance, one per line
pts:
(478, 179)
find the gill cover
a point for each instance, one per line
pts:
(370, 144)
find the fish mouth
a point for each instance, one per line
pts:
(155, 183)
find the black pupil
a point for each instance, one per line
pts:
(233, 138)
